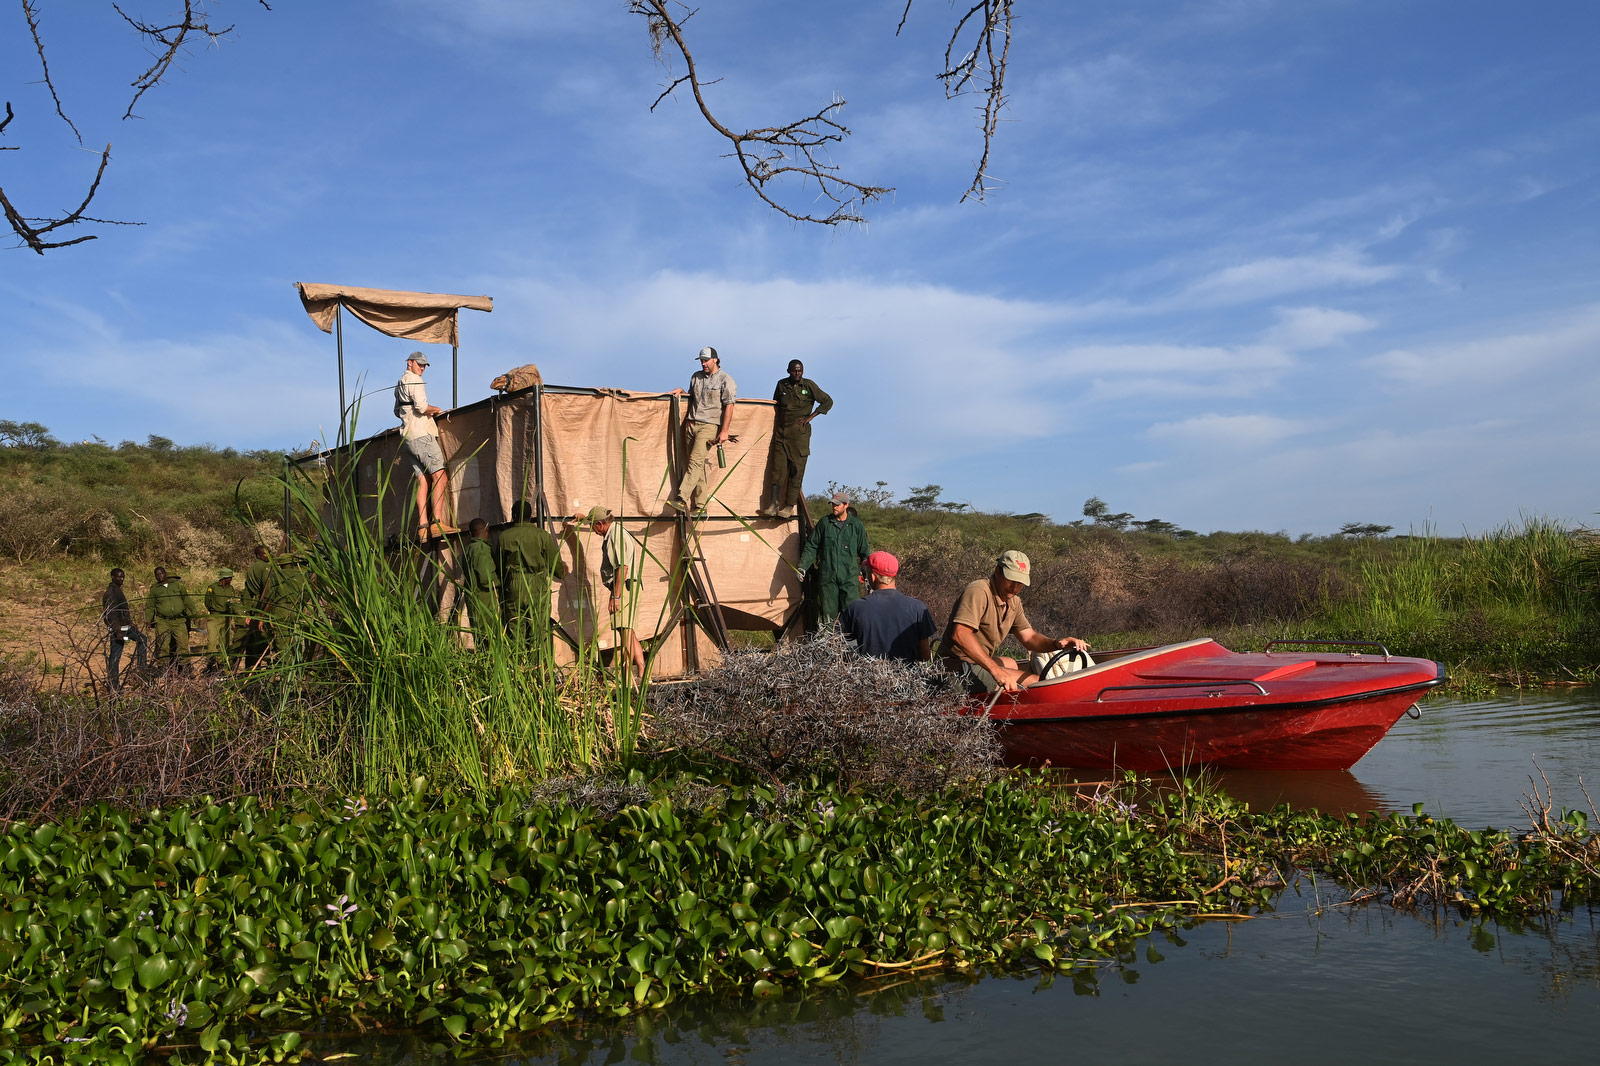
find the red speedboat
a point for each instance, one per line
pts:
(1197, 703)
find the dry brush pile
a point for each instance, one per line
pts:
(817, 708)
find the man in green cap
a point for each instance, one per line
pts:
(528, 558)
(478, 585)
(799, 400)
(167, 610)
(222, 618)
(987, 611)
(257, 604)
(838, 547)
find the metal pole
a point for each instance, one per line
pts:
(338, 332)
(455, 399)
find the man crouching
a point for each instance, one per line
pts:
(986, 612)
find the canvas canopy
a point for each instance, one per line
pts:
(566, 450)
(428, 317)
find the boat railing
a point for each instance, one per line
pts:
(1332, 644)
(1208, 683)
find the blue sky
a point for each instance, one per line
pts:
(1250, 264)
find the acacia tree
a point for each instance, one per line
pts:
(165, 40)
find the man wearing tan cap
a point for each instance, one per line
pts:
(986, 612)
(620, 573)
(419, 435)
(711, 395)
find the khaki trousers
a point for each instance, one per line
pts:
(698, 438)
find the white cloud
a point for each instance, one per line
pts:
(1303, 328)
(1273, 276)
(1226, 432)
(1504, 359)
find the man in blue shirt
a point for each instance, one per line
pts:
(888, 624)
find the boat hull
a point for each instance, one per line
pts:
(1199, 704)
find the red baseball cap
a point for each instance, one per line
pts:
(883, 563)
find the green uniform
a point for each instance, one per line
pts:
(478, 591)
(791, 437)
(528, 559)
(291, 589)
(257, 604)
(167, 608)
(838, 549)
(222, 625)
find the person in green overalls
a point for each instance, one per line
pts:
(257, 604)
(222, 623)
(167, 609)
(799, 401)
(291, 590)
(528, 558)
(478, 585)
(838, 547)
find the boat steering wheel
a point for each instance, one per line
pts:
(1049, 664)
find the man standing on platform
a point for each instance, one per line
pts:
(799, 401)
(711, 395)
(886, 623)
(478, 585)
(838, 547)
(420, 436)
(528, 558)
(117, 614)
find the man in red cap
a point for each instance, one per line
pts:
(986, 612)
(888, 624)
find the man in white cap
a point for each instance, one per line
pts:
(886, 623)
(419, 435)
(711, 395)
(986, 612)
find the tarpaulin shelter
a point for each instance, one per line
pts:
(425, 317)
(565, 450)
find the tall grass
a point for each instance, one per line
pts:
(368, 640)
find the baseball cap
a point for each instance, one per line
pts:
(1015, 567)
(597, 513)
(419, 357)
(224, 572)
(881, 562)
(839, 497)
(707, 352)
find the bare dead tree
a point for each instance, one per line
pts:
(974, 62)
(167, 41)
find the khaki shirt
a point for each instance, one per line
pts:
(709, 394)
(410, 401)
(980, 609)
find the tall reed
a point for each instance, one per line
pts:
(368, 639)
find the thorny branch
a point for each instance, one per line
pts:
(794, 149)
(981, 69)
(974, 62)
(169, 41)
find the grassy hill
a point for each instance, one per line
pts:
(1516, 605)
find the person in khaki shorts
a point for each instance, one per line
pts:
(711, 395)
(986, 612)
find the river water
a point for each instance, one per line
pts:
(1312, 983)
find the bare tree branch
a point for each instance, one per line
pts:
(795, 149)
(168, 41)
(31, 13)
(981, 69)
